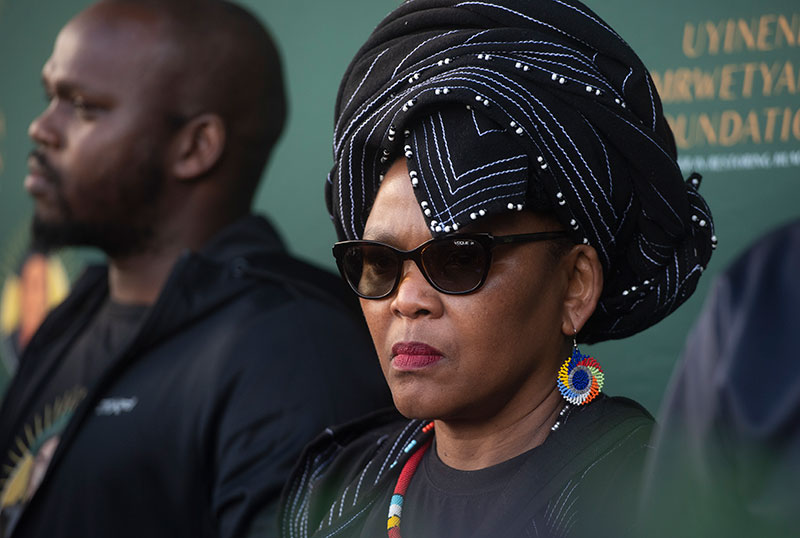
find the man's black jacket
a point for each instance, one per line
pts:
(246, 355)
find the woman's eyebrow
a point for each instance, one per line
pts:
(379, 233)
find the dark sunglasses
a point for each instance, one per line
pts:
(454, 264)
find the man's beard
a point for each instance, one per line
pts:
(117, 238)
(112, 238)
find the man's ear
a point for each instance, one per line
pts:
(197, 147)
(584, 287)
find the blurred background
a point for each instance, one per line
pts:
(728, 72)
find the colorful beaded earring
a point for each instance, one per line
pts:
(580, 378)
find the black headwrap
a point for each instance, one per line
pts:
(525, 104)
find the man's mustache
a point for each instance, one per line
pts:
(38, 163)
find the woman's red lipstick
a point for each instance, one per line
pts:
(414, 355)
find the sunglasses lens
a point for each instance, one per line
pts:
(456, 265)
(371, 270)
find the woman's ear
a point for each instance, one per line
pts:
(197, 147)
(583, 288)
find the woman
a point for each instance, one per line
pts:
(506, 186)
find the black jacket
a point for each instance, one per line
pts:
(246, 355)
(588, 471)
(727, 449)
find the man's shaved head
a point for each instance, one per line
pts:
(161, 116)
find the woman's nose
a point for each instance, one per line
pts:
(414, 296)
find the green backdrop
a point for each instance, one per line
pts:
(729, 72)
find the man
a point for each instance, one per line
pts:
(170, 394)
(727, 451)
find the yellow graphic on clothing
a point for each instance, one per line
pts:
(32, 451)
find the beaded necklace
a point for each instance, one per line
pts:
(563, 412)
(410, 467)
(406, 474)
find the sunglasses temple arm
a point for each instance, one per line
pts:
(538, 236)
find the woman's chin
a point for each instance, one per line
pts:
(414, 403)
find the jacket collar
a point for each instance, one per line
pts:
(198, 283)
(249, 235)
